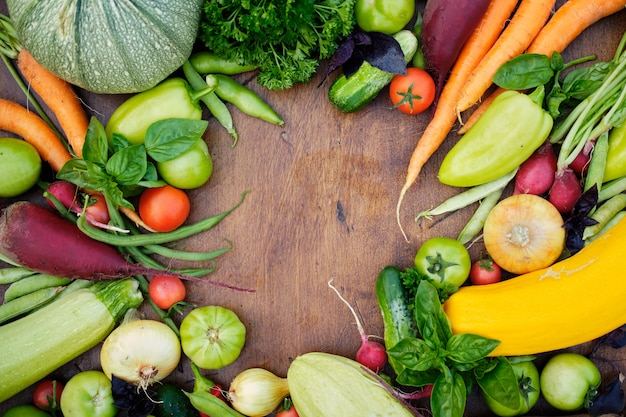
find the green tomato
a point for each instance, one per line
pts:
(88, 394)
(445, 261)
(20, 166)
(26, 410)
(569, 381)
(212, 336)
(191, 169)
(386, 16)
(527, 376)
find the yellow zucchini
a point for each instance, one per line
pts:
(571, 302)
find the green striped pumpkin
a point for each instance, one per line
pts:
(108, 46)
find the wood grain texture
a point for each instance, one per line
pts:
(323, 190)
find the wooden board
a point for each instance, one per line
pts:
(323, 193)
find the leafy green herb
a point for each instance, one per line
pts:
(439, 357)
(285, 39)
(411, 279)
(126, 169)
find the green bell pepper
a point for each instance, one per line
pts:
(386, 16)
(172, 98)
(509, 131)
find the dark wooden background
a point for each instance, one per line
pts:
(323, 192)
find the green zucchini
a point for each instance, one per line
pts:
(392, 299)
(353, 93)
(39, 343)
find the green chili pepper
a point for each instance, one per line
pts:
(245, 100)
(172, 98)
(509, 131)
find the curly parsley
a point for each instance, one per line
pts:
(285, 39)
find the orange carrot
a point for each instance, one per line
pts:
(19, 120)
(529, 18)
(569, 21)
(59, 96)
(444, 117)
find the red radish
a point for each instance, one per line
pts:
(68, 194)
(565, 190)
(536, 174)
(371, 354)
(446, 26)
(38, 239)
(580, 164)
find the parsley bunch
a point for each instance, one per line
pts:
(285, 39)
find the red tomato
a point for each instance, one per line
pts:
(164, 208)
(412, 93)
(47, 395)
(485, 271)
(291, 412)
(166, 291)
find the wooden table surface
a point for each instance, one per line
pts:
(323, 192)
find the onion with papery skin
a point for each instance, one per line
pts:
(257, 392)
(140, 352)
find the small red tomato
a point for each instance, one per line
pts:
(164, 208)
(47, 394)
(286, 412)
(485, 271)
(166, 291)
(412, 93)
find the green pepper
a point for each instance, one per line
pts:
(172, 98)
(510, 130)
(615, 166)
(386, 16)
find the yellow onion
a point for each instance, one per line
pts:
(257, 392)
(140, 352)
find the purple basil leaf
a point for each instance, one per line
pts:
(609, 401)
(345, 51)
(616, 339)
(576, 223)
(384, 53)
(126, 396)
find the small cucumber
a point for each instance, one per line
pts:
(353, 93)
(398, 320)
(171, 401)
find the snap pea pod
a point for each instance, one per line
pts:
(597, 164)
(604, 213)
(205, 62)
(475, 224)
(611, 188)
(216, 106)
(26, 303)
(246, 100)
(33, 283)
(211, 405)
(12, 274)
(612, 222)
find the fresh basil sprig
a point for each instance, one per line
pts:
(120, 169)
(439, 357)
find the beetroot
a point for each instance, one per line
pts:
(565, 190)
(38, 239)
(446, 26)
(536, 174)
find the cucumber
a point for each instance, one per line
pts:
(353, 93)
(171, 401)
(393, 302)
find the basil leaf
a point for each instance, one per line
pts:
(128, 166)
(412, 378)
(501, 385)
(166, 139)
(449, 395)
(524, 72)
(96, 146)
(75, 171)
(98, 175)
(119, 142)
(467, 348)
(116, 197)
(429, 315)
(414, 354)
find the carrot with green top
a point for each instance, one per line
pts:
(444, 117)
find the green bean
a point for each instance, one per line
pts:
(469, 196)
(26, 303)
(216, 107)
(32, 284)
(611, 188)
(604, 213)
(12, 274)
(158, 237)
(75, 285)
(612, 222)
(595, 172)
(208, 63)
(477, 221)
(245, 100)
(185, 255)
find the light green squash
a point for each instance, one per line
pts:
(108, 46)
